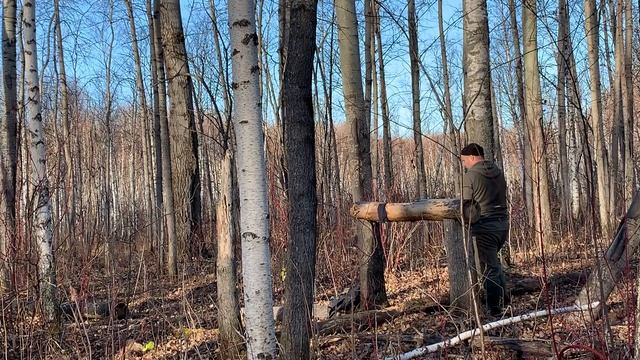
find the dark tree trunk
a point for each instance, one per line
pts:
(421, 178)
(231, 342)
(157, 148)
(185, 138)
(299, 140)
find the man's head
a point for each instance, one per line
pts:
(471, 155)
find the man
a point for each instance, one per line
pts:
(484, 183)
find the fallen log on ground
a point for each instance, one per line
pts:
(521, 347)
(608, 268)
(428, 209)
(94, 310)
(492, 325)
(363, 320)
(519, 285)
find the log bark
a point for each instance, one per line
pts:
(430, 209)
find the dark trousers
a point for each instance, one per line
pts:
(489, 238)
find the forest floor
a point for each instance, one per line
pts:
(180, 319)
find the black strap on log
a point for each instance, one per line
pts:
(382, 213)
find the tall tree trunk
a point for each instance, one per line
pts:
(448, 111)
(535, 128)
(629, 168)
(565, 169)
(165, 144)
(582, 154)
(619, 99)
(42, 220)
(143, 102)
(183, 127)
(157, 221)
(226, 96)
(9, 143)
(478, 115)
(384, 105)
(369, 244)
(458, 270)
(605, 31)
(252, 182)
(300, 155)
(370, 80)
(497, 147)
(69, 176)
(374, 147)
(231, 341)
(418, 152)
(527, 187)
(592, 31)
(110, 189)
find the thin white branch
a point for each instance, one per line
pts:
(493, 325)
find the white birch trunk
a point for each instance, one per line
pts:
(252, 184)
(42, 226)
(9, 136)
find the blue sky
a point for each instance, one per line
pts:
(87, 34)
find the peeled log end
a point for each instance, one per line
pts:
(429, 209)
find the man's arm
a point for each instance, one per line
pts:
(467, 187)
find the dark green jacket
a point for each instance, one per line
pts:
(485, 184)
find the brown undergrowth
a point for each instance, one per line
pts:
(179, 317)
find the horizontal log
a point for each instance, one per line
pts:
(429, 209)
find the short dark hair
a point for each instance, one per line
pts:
(472, 149)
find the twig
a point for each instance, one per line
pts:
(492, 325)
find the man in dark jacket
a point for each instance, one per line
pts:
(484, 183)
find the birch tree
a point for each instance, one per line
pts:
(252, 182)
(42, 221)
(8, 136)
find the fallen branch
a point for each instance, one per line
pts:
(493, 325)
